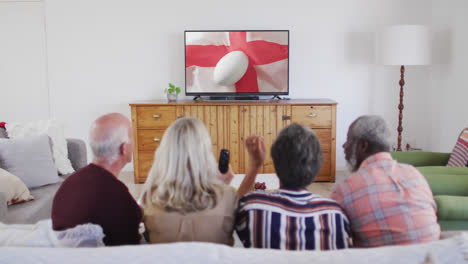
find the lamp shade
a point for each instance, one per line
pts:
(404, 45)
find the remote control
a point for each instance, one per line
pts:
(223, 161)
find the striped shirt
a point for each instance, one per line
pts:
(388, 204)
(293, 220)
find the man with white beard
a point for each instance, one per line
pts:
(387, 203)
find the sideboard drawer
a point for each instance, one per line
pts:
(149, 140)
(312, 116)
(155, 117)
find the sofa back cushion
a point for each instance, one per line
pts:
(30, 159)
(452, 207)
(448, 182)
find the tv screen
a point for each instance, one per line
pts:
(237, 62)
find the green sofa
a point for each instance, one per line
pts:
(448, 184)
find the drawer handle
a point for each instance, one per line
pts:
(156, 116)
(312, 115)
(156, 139)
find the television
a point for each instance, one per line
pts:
(236, 63)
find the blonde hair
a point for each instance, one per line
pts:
(183, 175)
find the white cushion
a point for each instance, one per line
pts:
(41, 234)
(30, 159)
(54, 130)
(13, 188)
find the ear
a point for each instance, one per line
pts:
(122, 149)
(362, 146)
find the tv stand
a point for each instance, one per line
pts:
(276, 97)
(229, 123)
(197, 97)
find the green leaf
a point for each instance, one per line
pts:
(177, 89)
(171, 85)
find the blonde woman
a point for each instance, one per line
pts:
(184, 198)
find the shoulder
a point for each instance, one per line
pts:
(325, 202)
(82, 179)
(107, 184)
(330, 204)
(412, 176)
(83, 172)
(92, 174)
(153, 209)
(354, 179)
(253, 196)
(226, 193)
(260, 200)
(408, 168)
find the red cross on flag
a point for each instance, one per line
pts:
(236, 62)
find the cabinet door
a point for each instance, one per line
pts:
(222, 123)
(265, 121)
(321, 119)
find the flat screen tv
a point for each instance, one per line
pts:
(236, 62)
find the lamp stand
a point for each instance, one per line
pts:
(401, 106)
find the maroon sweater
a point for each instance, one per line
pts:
(93, 195)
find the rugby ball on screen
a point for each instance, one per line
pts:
(231, 68)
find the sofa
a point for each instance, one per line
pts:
(449, 186)
(450, 250)
(41, 207)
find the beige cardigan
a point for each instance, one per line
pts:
(211, 225)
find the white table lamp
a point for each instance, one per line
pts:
(404, 45)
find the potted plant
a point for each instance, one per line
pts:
(172, 92)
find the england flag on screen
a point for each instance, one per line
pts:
(267, 53)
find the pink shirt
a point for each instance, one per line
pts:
(388, 203)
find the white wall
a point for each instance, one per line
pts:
(103, 54)
(446, 106)
(23, 74)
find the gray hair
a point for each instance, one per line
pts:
(183, 177)
(297, 156)
(108, 148)
(374, 130)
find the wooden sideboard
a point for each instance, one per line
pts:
(229, 123)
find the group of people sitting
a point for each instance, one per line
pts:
(186, 198)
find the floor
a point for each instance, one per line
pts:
(321, 188)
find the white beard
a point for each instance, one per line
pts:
(351, 164)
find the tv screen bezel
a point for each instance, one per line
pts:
(227, 93)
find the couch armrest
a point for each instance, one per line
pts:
(3, 207)
(419, 159)
(77, 153)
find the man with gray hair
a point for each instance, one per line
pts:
(387, 203)
(93, 194)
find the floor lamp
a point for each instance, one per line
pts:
(404, 45)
